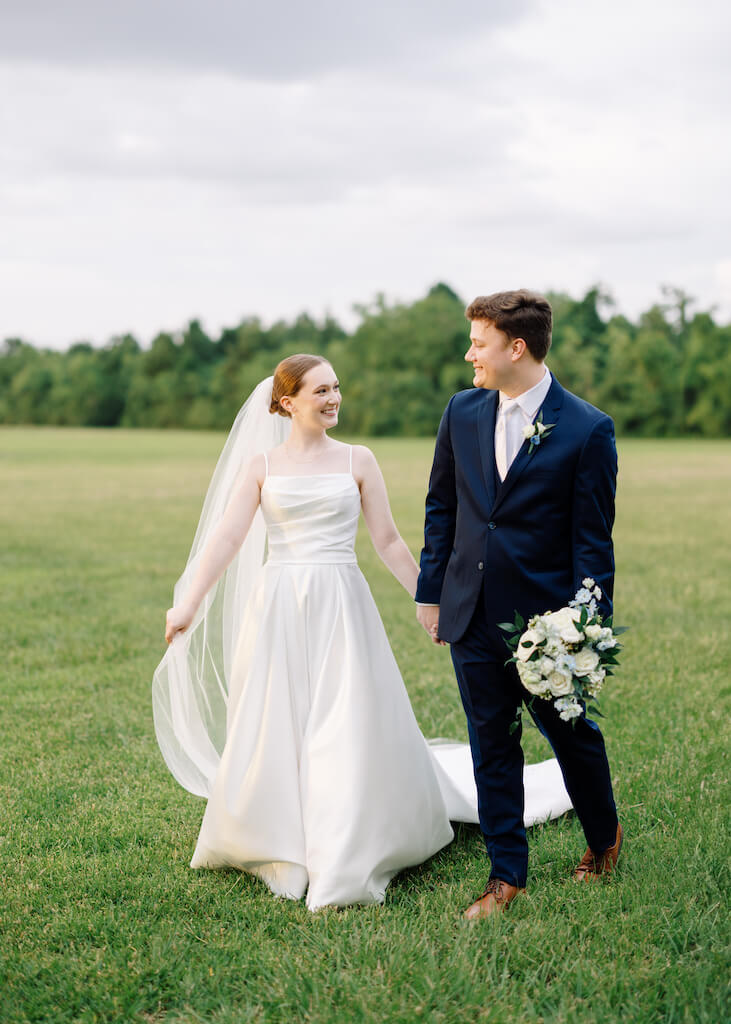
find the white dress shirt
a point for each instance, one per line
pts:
(514, 414)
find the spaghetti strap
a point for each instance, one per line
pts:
(266, 465)
(350, 460)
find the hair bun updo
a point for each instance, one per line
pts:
(288, 378)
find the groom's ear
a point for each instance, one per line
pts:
(518, 348)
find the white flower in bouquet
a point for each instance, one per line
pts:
(528, 643)
(532, 680)
(586, 661)
(593, 682)
(586, 597)
(546, 666)
(564, 622)
(568, 708)
(567, 661)
(565, 655)
(607, 640)
(538, 625)
(554, 648)
(561, 682)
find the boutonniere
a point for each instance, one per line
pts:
(536, 432)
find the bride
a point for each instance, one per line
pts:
(279, 698)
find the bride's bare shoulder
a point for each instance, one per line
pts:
(256, 468)
(362, 451)
(364, 461)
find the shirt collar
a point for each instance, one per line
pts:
(531, 400)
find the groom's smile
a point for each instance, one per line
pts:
(490, 353)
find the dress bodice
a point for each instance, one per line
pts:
(311, 519)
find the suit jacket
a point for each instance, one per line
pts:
(530, 539)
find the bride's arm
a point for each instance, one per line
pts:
(387, 541)
(225, 541)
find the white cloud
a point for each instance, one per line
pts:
(556, 149)
(279, 39)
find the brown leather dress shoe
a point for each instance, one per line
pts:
(494, 899)
(592, 866)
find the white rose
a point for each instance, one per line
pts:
(528, 432)
(561, 682)
(529, 638)
(563, 617)
(563, 621)
(540, 427)
(593, 633)
(533, 681)
(585, 661)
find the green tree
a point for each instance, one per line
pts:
(668, 373)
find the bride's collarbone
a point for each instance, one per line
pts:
(330, 458)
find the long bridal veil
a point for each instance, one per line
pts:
(190, 685)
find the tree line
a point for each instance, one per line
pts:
(667, 374)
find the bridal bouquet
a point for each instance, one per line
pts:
(565, 656)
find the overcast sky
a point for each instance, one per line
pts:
(168, 159)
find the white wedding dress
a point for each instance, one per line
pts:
(325, 785)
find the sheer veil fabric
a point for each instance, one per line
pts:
(190, 685)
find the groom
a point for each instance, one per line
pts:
(509, 528)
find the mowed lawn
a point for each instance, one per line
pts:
(101, 918)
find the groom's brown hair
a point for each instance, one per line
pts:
(519, 314)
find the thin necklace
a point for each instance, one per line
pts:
(305, 461)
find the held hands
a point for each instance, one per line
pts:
(428, 617)
(177, 621)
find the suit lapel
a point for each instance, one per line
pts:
(551, 410)
(486, 434)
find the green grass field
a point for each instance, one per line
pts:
(102, 920)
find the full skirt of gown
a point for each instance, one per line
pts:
(326, 786)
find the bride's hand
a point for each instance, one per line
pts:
(428, 617)
(177, 621)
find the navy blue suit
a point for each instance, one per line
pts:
(525, 544)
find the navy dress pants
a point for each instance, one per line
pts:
(491, 694)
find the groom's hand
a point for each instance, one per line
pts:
(428, 616)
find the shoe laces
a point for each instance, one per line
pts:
(495, 888)
(590, 862)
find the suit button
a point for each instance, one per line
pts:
(491, 525)
(480, 565)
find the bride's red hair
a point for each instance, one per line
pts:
(288, 378)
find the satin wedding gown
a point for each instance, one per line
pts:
(325, 785)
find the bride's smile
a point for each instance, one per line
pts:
(317, 400)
